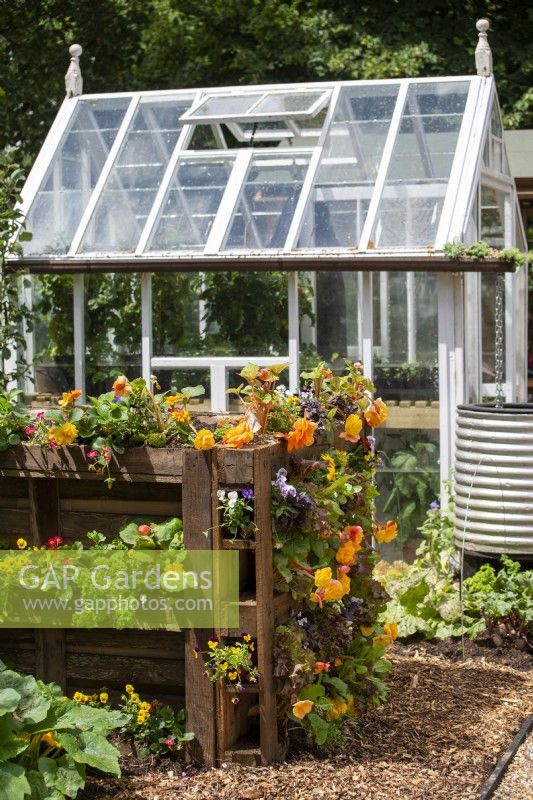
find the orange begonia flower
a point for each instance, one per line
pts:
(302, 708)
(346, 553)
(386, 533)
(302, 434)
(391, 629)
(122, 386)
(321, 666)
(239, 435)
(69, 398)
(204, 440)
(352, 428)
(377, 413)
(354, 534)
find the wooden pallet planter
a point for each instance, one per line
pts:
(44, 493)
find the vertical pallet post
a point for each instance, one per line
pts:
(50, 646)
(265, 604)
(197, 520)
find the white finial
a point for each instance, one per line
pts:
(73, 78)
(483, 51)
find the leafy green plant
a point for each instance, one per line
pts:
(503, 600)
(14, 419)
(231, 663)
(415, 483)
(47, 741)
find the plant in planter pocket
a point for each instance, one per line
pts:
(237, 511)
(231, 664)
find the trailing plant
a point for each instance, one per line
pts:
(47, 741)
(15, 316)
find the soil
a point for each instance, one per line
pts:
(480, 650)
(439, 736)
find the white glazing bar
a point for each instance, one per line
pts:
(146, 326)
(446, 360)
(521, 324)
(472, 316)
(472, 164)
(230, 362)
(455, 181)
(510, 307)
(294, 332)
(100, 183)
(47, 152)
(307, 187)
(365, 314)
(384, 303)
(183, 140)
(219, 397)
(78, 300)
(228, 203)
(411, 316)
(384, 165)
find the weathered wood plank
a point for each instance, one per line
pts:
(146, 674)
(197, 519)
(148, 462)
(153, 644)
(45, 521)
(265, 610)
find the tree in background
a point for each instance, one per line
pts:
(160, 44)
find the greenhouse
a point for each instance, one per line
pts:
(352, 188)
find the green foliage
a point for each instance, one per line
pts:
(415, 485)
(15, 317)
(504, 600)
(142, 534)
(47, 741)
(13, 419)
(424, 595)
(481, 250)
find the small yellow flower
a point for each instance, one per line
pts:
(77, 697)
(146, 706)
(129, 689)
(181, 415)
(212, 644)
(366, 630)
(232, 676)
(63, 434)
(332, 472)
(22, 544)
(352, 428)
(302, 708)
(204, 440)
(236, 650)
(247, 637)
(224, 665)
(134, 697)
(172, 399)
(104, 697)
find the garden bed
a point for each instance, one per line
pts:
(439, 736)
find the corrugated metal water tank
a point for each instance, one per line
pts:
(494, 479)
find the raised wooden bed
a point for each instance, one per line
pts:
(45, 493)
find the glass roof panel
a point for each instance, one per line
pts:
(420, 165)
(290, 102)
(130, 190)
(191, 204)
(267, 202)
(72, 175)
(225, 106)
(349, 166)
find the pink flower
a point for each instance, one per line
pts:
(92, 454)
(29, 430)
(54, 542)
(170, 742)
(107, 456)
(51, 444)
(40, 416)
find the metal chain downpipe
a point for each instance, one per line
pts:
(498, 349)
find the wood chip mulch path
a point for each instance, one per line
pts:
(438, 738)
